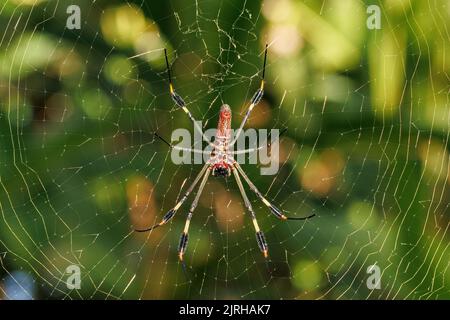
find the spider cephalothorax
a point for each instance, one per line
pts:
(221, 163)
(221, 171)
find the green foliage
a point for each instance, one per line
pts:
(366, 148)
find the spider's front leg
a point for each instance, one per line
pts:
(181, 104)
(260, 238)
(256, 98)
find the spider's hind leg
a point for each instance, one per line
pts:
(171, 213)
(185, 235)
(275, 211)
(260, 238)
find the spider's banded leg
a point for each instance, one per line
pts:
(275, 211)
(257, 96)
(169, 215)
(260, 238)
(181, 104)
(263, 145)
(171, 146)
(191, 150)
(247, 150)
(185, 236)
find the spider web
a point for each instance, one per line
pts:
(366, 149)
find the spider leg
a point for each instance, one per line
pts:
(181, 104)
(171, 146)
(257, 96)
(169, 215)
(247, 150)
(191, 150)
(185, 236)
(263, 145)
(260, 238)
(275, 211)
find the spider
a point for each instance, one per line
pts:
(221, 163)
